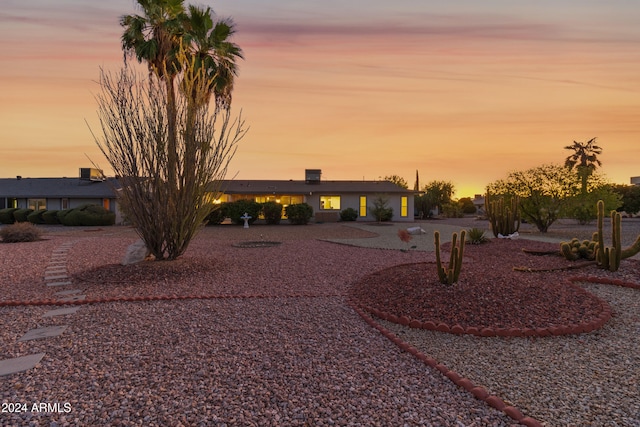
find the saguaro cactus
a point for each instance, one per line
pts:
(504, 218)
(449, 275)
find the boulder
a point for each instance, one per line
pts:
(136, 252)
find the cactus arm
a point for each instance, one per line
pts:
(631, 250)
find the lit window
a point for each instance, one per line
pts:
(105, 203)
(363, 205)
(330, 202)
(403, 206)
(37, 204)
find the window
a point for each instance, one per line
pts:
(12, 202)
(37, 204)
(363, 205)
(403, 206)
(65, 203)
(330, 202)
(105, 203)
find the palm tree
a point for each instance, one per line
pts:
(584, 158)
(208, 42)
(167, 34)
(154, 38)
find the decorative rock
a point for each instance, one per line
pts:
(136, 252)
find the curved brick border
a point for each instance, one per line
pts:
(17, 303)
(488, 331)
(478, 391)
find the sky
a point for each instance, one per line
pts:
(462, 91)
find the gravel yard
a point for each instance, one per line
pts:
(279, 345)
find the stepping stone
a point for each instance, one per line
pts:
(35, 334)
(59, 283)
(69, 292)
(54, 278)
(55, 270)
(61, 311)
(73, 298)
(19, 364)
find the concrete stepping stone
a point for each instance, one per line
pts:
(54, 278)
(73, 298)
(65, 283)
(19, 364)
(50, 331)
(61, 311)
(57, 270)
(69, 292)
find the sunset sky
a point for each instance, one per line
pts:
(462, 91)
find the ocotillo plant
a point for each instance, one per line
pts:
(504, 219)
(450, 274)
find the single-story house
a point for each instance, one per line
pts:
(327, 198)
(59, 193)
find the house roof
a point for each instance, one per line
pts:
(56, 188)
(256, 186)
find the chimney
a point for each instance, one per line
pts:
(19, 177)
(312, 176)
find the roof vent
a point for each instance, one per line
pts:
(312, 176)
(18, 177)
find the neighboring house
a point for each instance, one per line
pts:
(635, 180)
(479, 202)
(58, 193)
(327, 198)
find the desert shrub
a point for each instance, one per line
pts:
(88, 215)
(452, 210)
(348, 214)
(217, 215)
(237, 209)
(35, 217)
(299, 214)
(6, 215)
(476, 236)
(467, 205)
(272, 212)
(50, 217)
(20, 232)
(21, 215)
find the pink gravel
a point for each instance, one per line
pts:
(282, 347)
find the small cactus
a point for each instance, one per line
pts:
(449, 275)
(576, 249)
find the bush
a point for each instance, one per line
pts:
(216, 216)
(299, 214)
(348, 214)
(237, 209)
(380, 210)
(88, 215)
(20, 232)
(467, 205)
(35, 217)
(50, 217)
(272, 212)
(21, 215)
(6, 215)
(452, 210)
